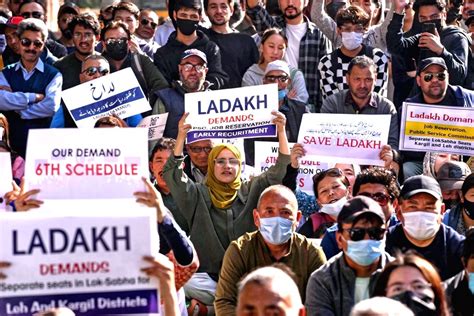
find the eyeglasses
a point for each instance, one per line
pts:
(429, 76)
(119, 41)
(26, 42)
(282, 78)
(34, 14)
(86, 36)
(145, 23)
(415, 286)
(379, 197)
(221, 162)
(188, 67)
(91, 71)
(358, 234)
(198, 149)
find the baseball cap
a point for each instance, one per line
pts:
(358, 206)
(425, 63)
(194, 52)
(68, 7)
(105, 4)
(420, 184)
(11, 22)
(452, 174)
(278, 65)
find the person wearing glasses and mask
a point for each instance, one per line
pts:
(219, 210)
(350, 276)
(29, 89)
(433, 79)
(420, 212)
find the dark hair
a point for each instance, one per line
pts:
(381, 176)
(229, 2)
(467, 184)
(187, 4)
(468, 250)
(112, 121)
(34, 25)
(361, 62)
(411, 259)
(439, 4)
(87, 21)
(163, 143)
(353, 14)
(126, 6)
(4, 123)
(113, 25)
(332, 172)
(269, 33)
(40, 2)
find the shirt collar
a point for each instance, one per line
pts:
(39, 65)
(350, 101)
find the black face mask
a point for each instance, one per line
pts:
(117, 51)
(450, 204)
(332, 8)
(187, 27)
(419, 305)
(469, 208)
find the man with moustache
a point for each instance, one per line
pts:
(29, 89)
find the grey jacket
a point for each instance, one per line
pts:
(331, 288)
(336, 103)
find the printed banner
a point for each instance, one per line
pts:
(232, 113)
(266, 154)
(437, 128)
(99, 163)
(156, 125)
(105, 96)
(76, 260)
(348, 138)
(5, 178)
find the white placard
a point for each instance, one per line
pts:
(232, 113)
(118, 93)
(100, 163)
(345, 138)
(88, 261)
(155, 124)
(5, 177)
(437, 128)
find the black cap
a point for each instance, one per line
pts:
(358, 206)
(193, 4)
(425, 63)
(452, 174)
(467, 184)
(420, 184)
(68, 7)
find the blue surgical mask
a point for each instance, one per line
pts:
(365, 252)
(471, 282)
(276, 230)
(281, 94)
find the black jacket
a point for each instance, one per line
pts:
(168, 57)
(460, 297)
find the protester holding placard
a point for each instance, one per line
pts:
(220, 210)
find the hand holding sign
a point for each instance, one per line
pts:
(152, 198)
(23, 203)
(296, 153)
(386, 154)
(3, 264)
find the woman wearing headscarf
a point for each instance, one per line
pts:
(221, 209)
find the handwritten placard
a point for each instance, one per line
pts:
(100, 163)
(232, 113)
(155, 125)
(345, 138)
(118, 93)
(437, 128)
(5, 178)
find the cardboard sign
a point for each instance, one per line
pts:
(266, 154)
(87, 262)
(347, 138)
(437, 128)
(5, 178)
(232, 113)
(118, 93)
(155, 124)
(100, 163)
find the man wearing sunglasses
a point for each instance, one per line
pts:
(30, 89)
(145, 32)
(350, 276)
(433, 79)
(420, 212)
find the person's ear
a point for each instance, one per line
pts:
(418, 80)
(298, 217)
(399, 213)
(339, 240)
(256, 218)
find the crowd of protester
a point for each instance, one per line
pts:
(396, 239)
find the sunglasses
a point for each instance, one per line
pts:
(378, 197)
(145, 23)
(91, 71)
(34, 14)
(197, 149)
(221, 162)
(119, 41)
(357, 234)
(188, 67)
(282, 78)
(440, 75)
(26, 42)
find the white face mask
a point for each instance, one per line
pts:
(333, 209)
(421, 225)
(351, 40)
